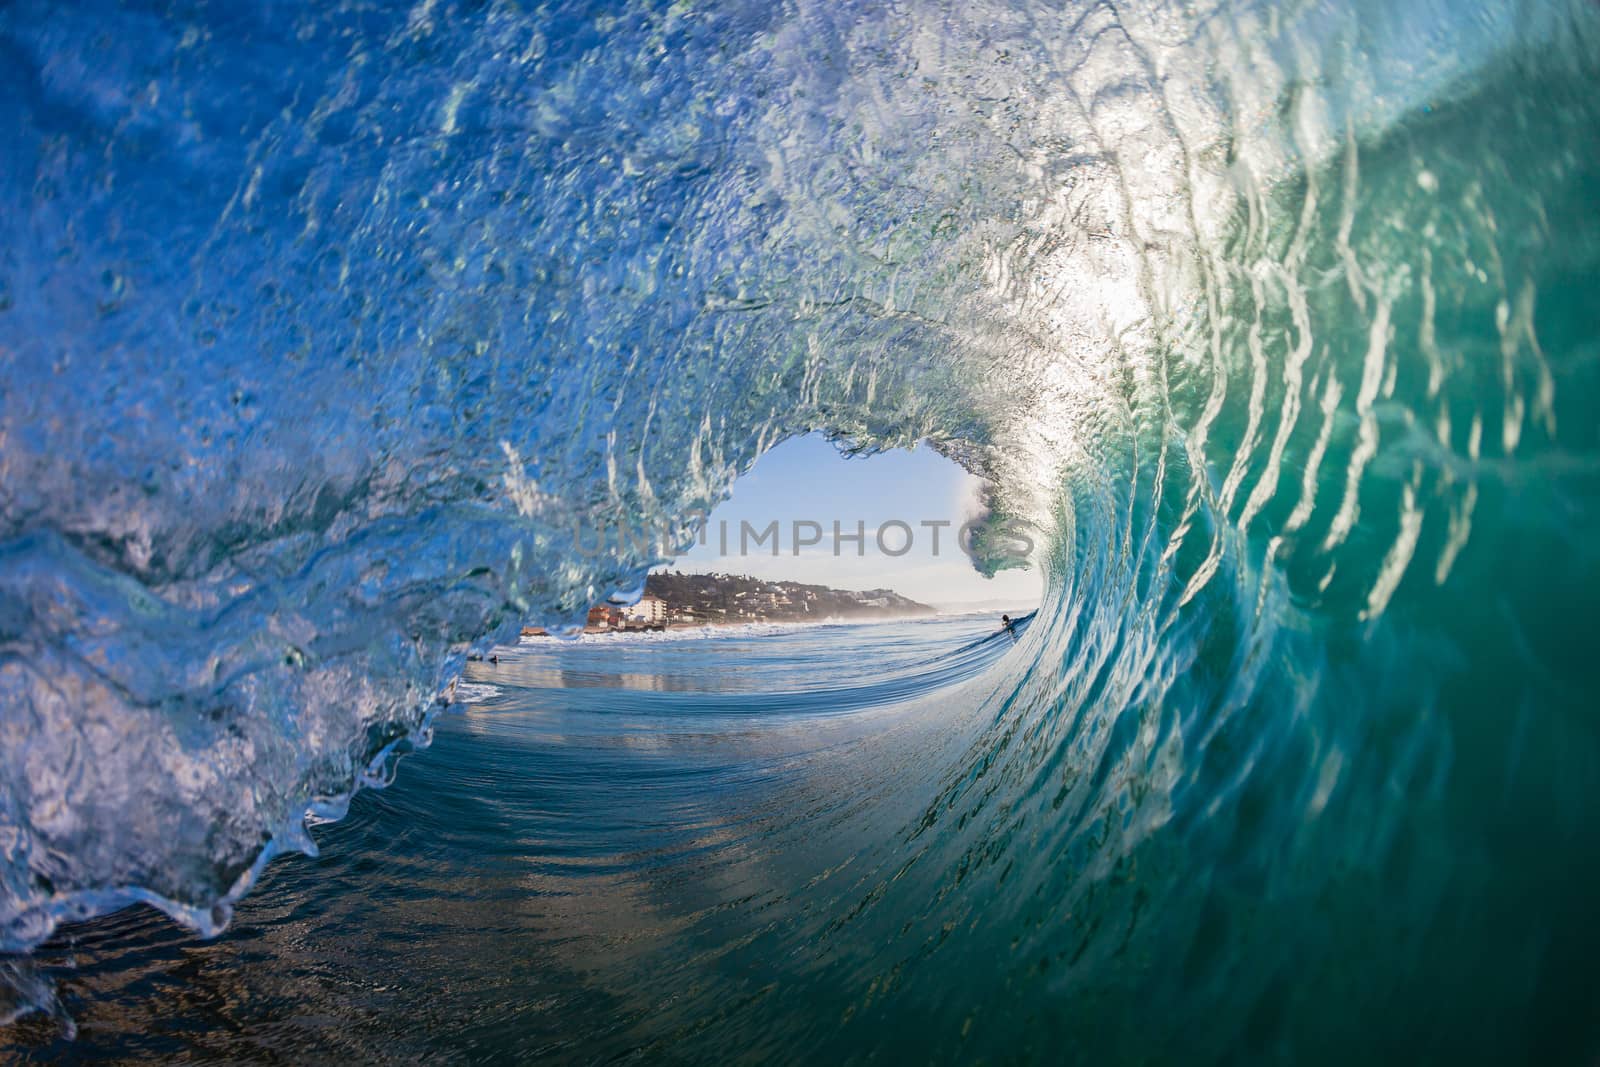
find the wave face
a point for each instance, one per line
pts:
(326, 329)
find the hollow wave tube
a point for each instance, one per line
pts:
(327, 328)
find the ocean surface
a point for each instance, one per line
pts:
(620, 845)
(326, 327)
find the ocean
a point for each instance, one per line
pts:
(325, 329)
(598, 829)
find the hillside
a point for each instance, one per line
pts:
(700, 598)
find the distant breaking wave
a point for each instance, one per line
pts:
(323, 326)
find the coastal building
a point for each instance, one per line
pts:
(649, 611)
(604, 617)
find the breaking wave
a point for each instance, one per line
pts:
(324, 327)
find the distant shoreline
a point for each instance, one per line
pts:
(728, 624)
(673, 600)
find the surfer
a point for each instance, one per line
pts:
(1011, 627)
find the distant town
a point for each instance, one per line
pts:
(674, 599)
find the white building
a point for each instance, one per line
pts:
(649, 611)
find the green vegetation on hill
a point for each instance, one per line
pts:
(735, 598)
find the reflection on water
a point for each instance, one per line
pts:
(601, 859)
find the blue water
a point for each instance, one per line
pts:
(602, 831)
(325, 326)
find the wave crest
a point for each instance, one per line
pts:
(324, 333)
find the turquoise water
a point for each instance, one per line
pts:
(323, 327)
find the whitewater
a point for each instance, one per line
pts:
(324, 326)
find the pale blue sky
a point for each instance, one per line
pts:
(807, 479)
